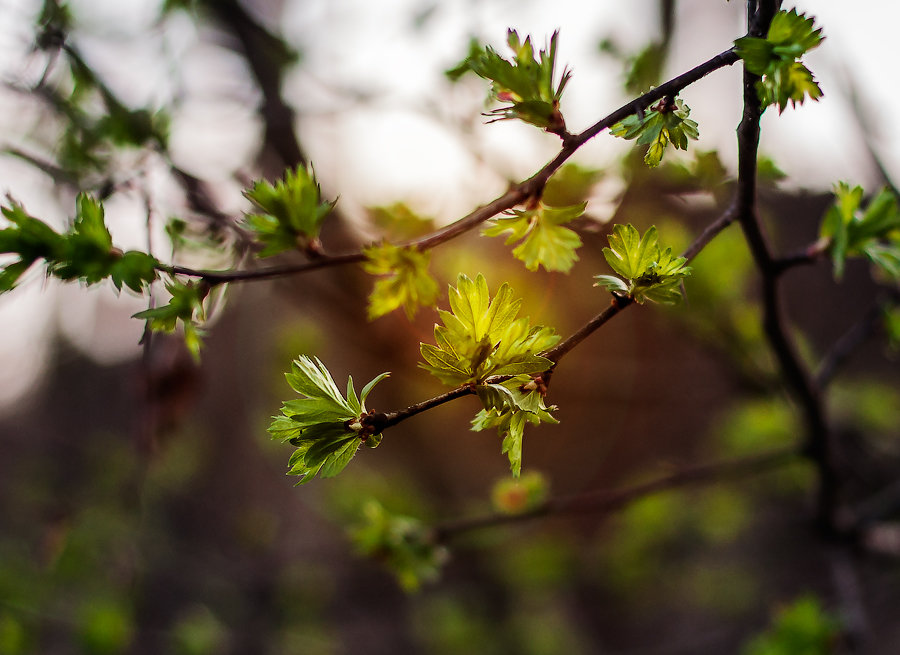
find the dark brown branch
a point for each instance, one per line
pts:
(381, 421)
(803, 257)
(531, 187)
(607, 501)
(798, 379)
(267, 56)
(710, 232)
(617, 304)
(214, 278)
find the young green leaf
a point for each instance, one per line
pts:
(776, 59)
(482, 337)
(667, 122)
(324, 425)
(185, 307)
(874, 232)
(508, 406)
(85, 252)
(289, 213)
(402, 543)
(544, 240)
(465, 66)
(407, 284)
(27, 237)
(650, 273)
(524, 82)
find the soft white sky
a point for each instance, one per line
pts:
(413, 137)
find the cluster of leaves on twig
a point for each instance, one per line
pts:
(90, 137)
(289, 213)
(326, 427)
(482, 338)
(544, 239)
(526, 83)
(404, 544)
(649, 272)
(509, 407)
(404, 279)
(776, 58)
(874, 232)
(85, 252)
(185, 308)
(667, 122)
(482, 344)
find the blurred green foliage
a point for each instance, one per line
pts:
(404, 544)
(801, 628)
(519, 494)
(404, 280)
(544, 241)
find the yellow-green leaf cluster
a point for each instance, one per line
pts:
(666, 123)
(325, 426)
(288, 214)
(482, 337)
(649, 272)
(524, 82)
(544, 240)
(776, 59)
(405, 280)
(508, 407)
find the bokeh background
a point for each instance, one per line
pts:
(143, 507)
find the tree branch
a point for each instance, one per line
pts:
(516, 194)
(818, 447)
(380, 421)
(617, 304)
(608, 501)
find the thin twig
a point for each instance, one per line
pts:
(617, 304)
(607, 501)
(516, 194)
(803, 257)
(710, 232)
(381, 421)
